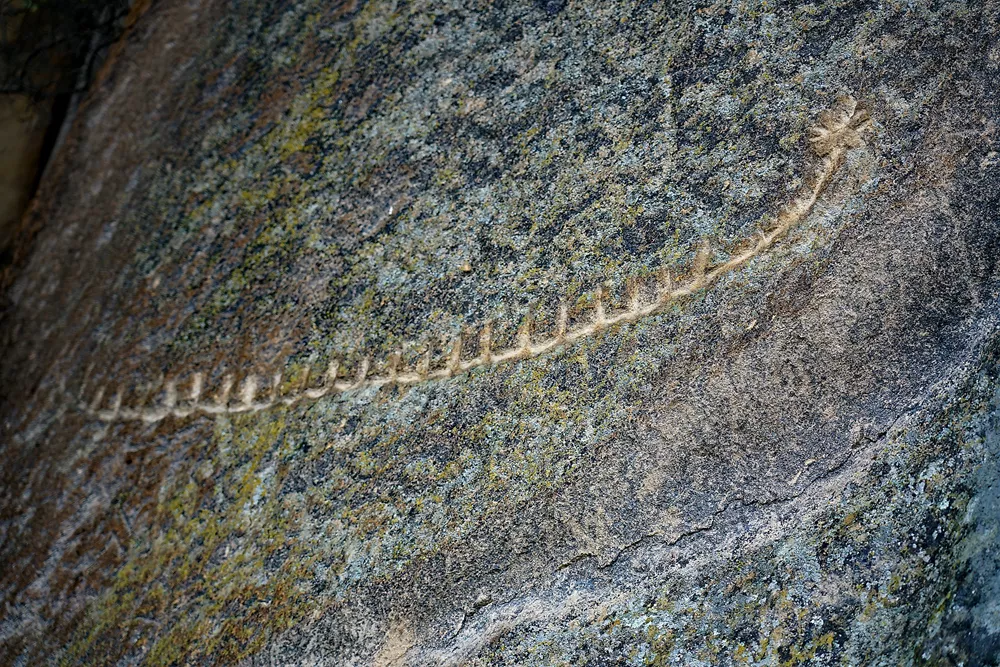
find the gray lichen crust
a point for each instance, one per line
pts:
(791, 458)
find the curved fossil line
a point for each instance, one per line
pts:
(837, 132)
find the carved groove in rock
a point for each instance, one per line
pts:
(837, 132)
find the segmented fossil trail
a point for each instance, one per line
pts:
(836, 132)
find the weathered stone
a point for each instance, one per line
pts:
(513, 333)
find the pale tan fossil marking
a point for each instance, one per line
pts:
(805, 466)
(837, 131)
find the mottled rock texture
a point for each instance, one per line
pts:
(796, 464)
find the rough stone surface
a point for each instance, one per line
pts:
(797, 464)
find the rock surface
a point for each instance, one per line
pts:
(790, 461)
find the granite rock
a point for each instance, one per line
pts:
(789, 461)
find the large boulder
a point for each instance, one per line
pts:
(513, 333)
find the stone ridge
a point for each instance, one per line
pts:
(837, 131)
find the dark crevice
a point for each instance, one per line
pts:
(60, 108)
